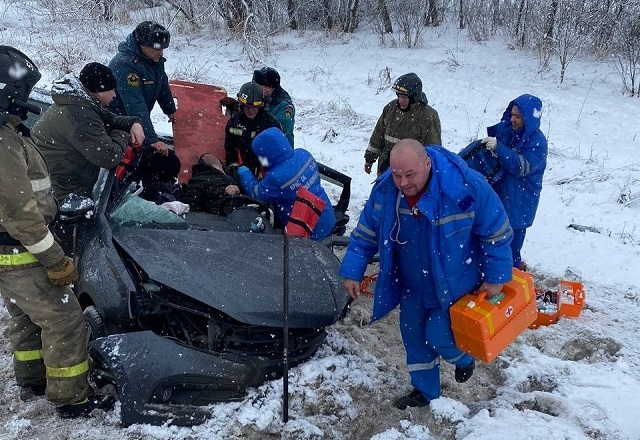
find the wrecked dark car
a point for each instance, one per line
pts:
(187, 310)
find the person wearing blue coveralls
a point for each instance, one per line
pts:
(441, 232)
(521, 182)
(286, 170)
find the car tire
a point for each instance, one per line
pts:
(94, 322)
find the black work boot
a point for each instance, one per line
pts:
(463, 374)
(30, 392)
(414, 399)
(84, 408)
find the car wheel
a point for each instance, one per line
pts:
(95, 324)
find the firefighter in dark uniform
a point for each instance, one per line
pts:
(47, 329)
(407, 117)
(243, 126)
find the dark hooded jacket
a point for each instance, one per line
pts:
(141, 83)
(288, 170)
(523, 156)
(77, 137)
(206, 188)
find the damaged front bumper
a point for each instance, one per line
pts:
(161, 381)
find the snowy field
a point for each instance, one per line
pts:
(578, 379)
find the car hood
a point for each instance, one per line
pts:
(241, 274)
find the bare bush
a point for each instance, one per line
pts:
(383, 80)
(481, 19)
(408, 18)
(573, 31)
(627, 54)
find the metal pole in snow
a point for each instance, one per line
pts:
(285, 336)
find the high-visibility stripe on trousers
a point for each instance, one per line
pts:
(427, 337)
(47, 333)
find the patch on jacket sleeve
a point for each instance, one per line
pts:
(133, 79)
(465, 203)
(288, 111)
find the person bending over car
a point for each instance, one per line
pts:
(209, 184)
(47, 330)
(77, 136)
(287, 171)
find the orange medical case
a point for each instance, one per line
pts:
(569, 301)
(484, 329)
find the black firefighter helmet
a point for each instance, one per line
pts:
(251, 95)
(409, 84)
(18, 75)
(152, 34)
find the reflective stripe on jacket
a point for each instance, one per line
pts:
(420, 122)
(520, 186)
(469, 236)
(27, 204)
(288, 170)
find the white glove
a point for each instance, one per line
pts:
(176, 207)
(490, 142)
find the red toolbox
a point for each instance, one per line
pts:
(483, 328)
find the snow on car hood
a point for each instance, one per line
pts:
(241, 274)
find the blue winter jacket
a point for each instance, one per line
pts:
(523, 157)
(141, 83)
(469, 235)
(288, 170)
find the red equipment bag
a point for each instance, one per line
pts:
(122, 168)
(305, 214)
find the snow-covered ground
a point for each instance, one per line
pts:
(577, 379)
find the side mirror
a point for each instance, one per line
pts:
(74, 208)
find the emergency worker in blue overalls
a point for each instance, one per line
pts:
(441, 232)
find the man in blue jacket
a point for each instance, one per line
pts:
(139, 70)
(441, 232)
(286, 171)
(521, 149)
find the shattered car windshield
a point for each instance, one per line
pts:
(137, 212)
